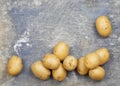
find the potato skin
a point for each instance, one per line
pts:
(51, 61)
(60, 73)
(70, 63)
(103, 26)
(97, 73)
(81, 68)
(15, 65)
(92, 60)
(61, 50)
(40, 71)
(104, 55)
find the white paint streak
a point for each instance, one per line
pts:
(23, 39)
(37, 2)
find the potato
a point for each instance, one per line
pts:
(103, 26)
(40, 71)
(60, 73)
(61, 50)
(81, 68)
(51, 61)
(104, 55)
(92, 60)
(97, 73)
(15, 65)
(70, 63)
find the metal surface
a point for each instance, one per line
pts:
(31, 28)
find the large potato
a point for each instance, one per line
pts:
(59, 74)
(97, 73)
(92, 60)
(104, 55)
(14, 66)
(61, 50)
(81, 68)
(40, 71)
(70, 63)
(51, 61)
(103, 26)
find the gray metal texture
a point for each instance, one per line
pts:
(31, 28)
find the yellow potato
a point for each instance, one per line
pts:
(70, 63)
(59, 74)
(51, 61)
(81, 68)
(104, 55)
(40, 71)
(97, 73)
(61, 50)
(14, 66)
(92, 60)
(103, 26)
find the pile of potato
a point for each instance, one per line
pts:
(59, 62)
(91, 64)
(56, 63)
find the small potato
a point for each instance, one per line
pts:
(70, 63)
(59, 74)
(61, 50)
(103, 26)
(40, 71)
(97, 73)
(81, 68)
(51, 61)
(14, 66)
(104, 55)
(92, 60)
